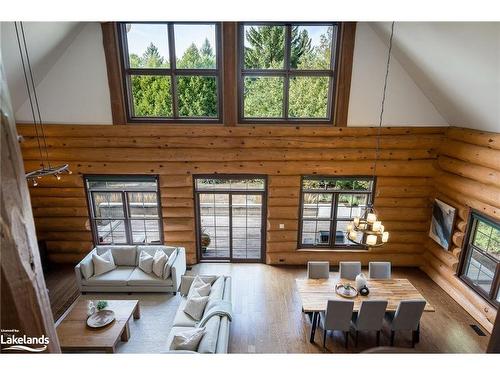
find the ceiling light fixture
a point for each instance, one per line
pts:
(367, 229)
(46, 168)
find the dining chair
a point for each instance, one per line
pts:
(349, 270)
(318, 270)
(337, 317)
(379, 270)
(370, 318)
(407, 318)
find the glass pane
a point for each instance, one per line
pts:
(480, 270)
(311, 47)
(197, 96)
(340, 234)
(227, 184)
(147, 45)
(362, 185)
(263, 97)
(143, 204)
(151, 95)
(111, 231)
(108, 205)
(214, 216)
(308, 97)
(323, 233)
(317, 205)
(121, 185)
(195, 46)
(264, 47)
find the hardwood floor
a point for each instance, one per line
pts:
(268, 316)
(61, 284)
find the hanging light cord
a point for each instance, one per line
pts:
(33, 98)
(377, 154)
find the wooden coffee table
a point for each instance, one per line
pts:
(75, 336)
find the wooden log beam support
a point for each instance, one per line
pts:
(475, 172)
(478, 155)
(475, 137)
(458, 239)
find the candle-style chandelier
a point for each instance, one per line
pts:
(367, 229)
(46, 168)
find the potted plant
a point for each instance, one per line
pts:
(205, 239)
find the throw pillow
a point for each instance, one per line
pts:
(146, 262)
(188, 340)
(195, 306)
(103, 263)
(168, 266)
(197, 283)
(159, 260)
(204, 290)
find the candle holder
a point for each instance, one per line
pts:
(372, 230)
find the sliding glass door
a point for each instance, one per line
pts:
(230, 217)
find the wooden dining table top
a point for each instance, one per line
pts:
(315, 293)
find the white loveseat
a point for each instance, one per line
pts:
(127, 276)
(216, 337)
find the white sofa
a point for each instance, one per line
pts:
(127, 276)
(216, 337)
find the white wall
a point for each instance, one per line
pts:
(405, 103)
(75, 90)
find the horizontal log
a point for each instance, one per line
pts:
(470, 188)
(62, 224)
(404, 214)
(404, 181)
(301, 258)
(282, 235)
(157, 130)
(177, 202)
(76, 247)
(284, 202)
(179, 236)
(274, 224)
(401, 202)
(478, 155)
(412, 168)
(60, 211)
(402, 191)
(283, 213)
(58, 202)
(459, 196)
(442, 255)
(57, 192)
(476, 137)
(176, 224)
(174, 181)
(177, 212)
(284, 192)
(473, 171)
(176, 192)
(65, 236)
(63, 258)
(284, 181)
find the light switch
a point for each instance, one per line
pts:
(282, 226)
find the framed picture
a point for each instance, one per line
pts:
(443, 218)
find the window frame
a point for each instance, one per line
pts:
(172, 72)
(126, 209)
(333, 219)
(287, 72)
(466, 253)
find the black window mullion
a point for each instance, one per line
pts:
(173, 67)
(286, 81)
(127, 221)
(333, 218)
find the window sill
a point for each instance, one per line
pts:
(330, 250)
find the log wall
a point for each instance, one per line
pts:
(284, 154)
(467, 177)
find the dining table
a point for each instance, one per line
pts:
(315, 294)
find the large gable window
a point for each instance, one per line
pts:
(124, 209)
(480, 267)
(287, 71)
(171, 71)
(328, 205)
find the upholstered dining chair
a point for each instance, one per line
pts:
(370, 318)
(337, 317)
(349, 270)
(379, 270)
(318, 270)
(407, 318)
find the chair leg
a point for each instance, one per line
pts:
(378, 338)
(413, 338)
(392, 337)
(325, 331)
(346, 334)
(356, 339)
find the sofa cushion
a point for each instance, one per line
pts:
(118, 277)
(151, 250)
(146, 262)
(103, 263)
(195, 306)
(208, 343)
(181, 318)
(173, 332)
(87, 267)
(167, 270)
(139, 277)
(124, 255)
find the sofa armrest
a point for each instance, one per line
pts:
(78, 271)
(187, 280)
(179, 267)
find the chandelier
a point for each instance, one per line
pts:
(46, 168)
(367, 229)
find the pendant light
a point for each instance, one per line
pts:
(367, 229)
(46, 168)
